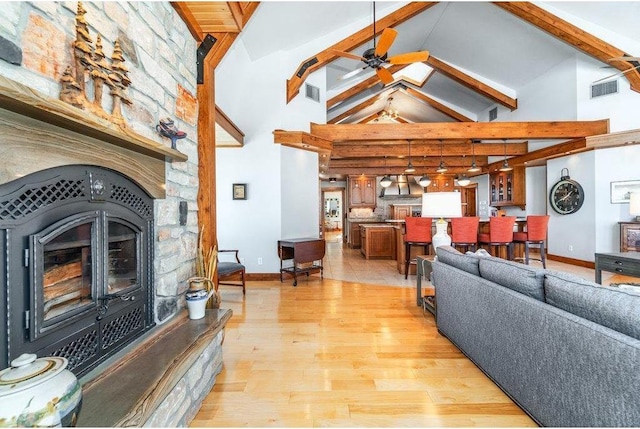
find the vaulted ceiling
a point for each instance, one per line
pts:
(481, 54)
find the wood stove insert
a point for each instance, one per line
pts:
(77, 273)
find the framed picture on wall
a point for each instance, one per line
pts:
(621, 191)
(239, 191)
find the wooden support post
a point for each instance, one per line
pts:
(207, 156)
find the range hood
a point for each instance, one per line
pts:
(402, 186)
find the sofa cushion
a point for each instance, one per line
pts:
(516, 276)
(612, 307)
(451, 256)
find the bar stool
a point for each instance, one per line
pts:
(464, 232)
(417, 233)
(535, 236)
(500, 234)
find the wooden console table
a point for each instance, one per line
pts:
(625, 263)
(305, 253)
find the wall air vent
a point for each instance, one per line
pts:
(604, 88)
(493, 114)
(312, 92)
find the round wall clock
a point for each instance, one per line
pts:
(566, 195)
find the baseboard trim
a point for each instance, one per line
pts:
(571, 261)
(259, 277)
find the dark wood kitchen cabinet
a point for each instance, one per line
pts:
(507, 188)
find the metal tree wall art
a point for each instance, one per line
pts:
(114, 74)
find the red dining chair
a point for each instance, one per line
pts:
(500, 234)
(417, 233)
(535, 235)
(464, 232)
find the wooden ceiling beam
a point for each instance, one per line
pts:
(462, 130)
(362, 86)
(561, 149)
(436, 105)
(472, 83)
(381, 171)
(396, 162)
(430, 150)
(237, 13)
(324, 57)
(576, 37)
(301, 140)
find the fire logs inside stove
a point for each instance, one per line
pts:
(78, 279)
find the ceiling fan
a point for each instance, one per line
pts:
(376, 57)
(625, 58)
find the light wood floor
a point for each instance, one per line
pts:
(346, 353)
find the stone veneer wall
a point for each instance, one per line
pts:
(35, 49)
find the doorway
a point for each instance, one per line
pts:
(333, 213)
(469, 203)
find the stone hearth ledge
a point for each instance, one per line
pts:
(160, 380)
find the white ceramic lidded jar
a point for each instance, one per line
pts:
(39, 392)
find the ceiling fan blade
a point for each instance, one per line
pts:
(617, 74)
(409, 57)
(385, 41)
(347, 55)
(352, 73)
(385, 75)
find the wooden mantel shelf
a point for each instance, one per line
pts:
(26, 101)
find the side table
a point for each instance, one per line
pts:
(423, 263)
(625, 263)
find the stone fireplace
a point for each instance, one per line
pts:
(109, 240)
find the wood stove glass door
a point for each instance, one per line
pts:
(64, 274)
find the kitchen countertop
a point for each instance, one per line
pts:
(364, 219)
(377, 225)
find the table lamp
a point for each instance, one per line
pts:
(634, 205)
(441, 205)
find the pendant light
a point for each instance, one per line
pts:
(474, 167)
(385, 182)
(441, 167)
(463, 180)
(410, 168)
(505, 163)
(423, 181)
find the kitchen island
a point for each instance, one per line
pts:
(377, 241)
(353, 229)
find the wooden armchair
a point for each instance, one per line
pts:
(228, 272)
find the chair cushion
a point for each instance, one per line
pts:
(229, 267)
(612, 307)
(484, 238)
(451, 256)
(515, 276)
(520, 236)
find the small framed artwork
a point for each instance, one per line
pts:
(239, 191)
(621, 191)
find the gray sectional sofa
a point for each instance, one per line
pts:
(566, 350)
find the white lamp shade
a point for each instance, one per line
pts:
(634, 204)
(441, 204)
